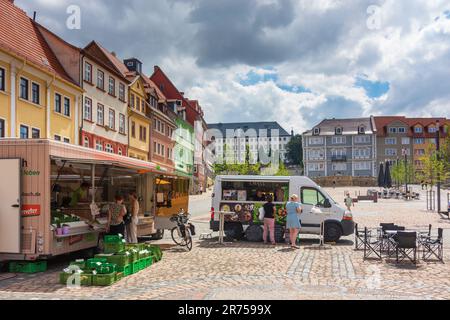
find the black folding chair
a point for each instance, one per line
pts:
(433, 247)
(383, 237)
(372, 246)
(359, 238)
(406, 246)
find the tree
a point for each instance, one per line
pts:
(399, 172)
(435, 167)
(295, 151)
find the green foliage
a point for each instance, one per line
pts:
(435, 166)
(295, 150)
(282, 171)
(400, 172)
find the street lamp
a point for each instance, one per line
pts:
(405, 153)
(438, 147)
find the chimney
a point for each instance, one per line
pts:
(34, 13)
(114, 54)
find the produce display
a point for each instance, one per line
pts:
(107, 268)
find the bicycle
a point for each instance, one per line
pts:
(182, 233)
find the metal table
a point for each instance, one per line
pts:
(322, 244)
(222, 215)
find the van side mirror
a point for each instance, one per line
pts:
(327, 203)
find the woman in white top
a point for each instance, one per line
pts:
(132, 226)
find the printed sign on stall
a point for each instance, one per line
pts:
(31, 210)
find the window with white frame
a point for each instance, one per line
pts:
(338, 152)
(122, 123)
(338, 130)
(390, 141)
(57, 137)
(88, 72)
(66, 110)
(361, 153)
(112, 119)
(338, 140)
(100, 114)
(392, 130)
(98, 146)
(87, 109)
(316, 154)
(339, 167)
(119, 151)
(362, 139)
(109, 148)
(316, 131)
(316, 166)
(66, 140)
(359, 166)
(122, 92)
(112, 86)
(58, 103)
(406, 140)
(402, 130)
(100, 80)
(419, 141)
(432, 130)
(35, 133)
(315, 140)
(418, 129)
(390, 152)
(24, 87)
(35, 93)
(86, 142)
(361, 130)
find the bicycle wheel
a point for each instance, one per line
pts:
(188, 240)
(177, 237)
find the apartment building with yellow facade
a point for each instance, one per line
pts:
(38, 96)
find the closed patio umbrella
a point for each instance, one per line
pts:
(387, 176)
(381, 176)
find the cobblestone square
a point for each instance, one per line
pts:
(243, 270)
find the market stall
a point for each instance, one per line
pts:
(63, 196)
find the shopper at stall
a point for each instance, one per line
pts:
(132, 226)
(269, 220)
(293, 209)
(260, 196)
(116, 213)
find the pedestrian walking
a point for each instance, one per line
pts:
(269, 220)
(349, 202)
(293, 209)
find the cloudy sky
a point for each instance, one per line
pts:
(293, 61)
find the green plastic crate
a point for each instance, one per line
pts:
(148, 262)
(119, 276)
(106, 268)
(133, 255)
(94, 263)
(120, 259)
(113, 239)
(103, 280)
(85, 278)
(126, 270)
(27, 267)
(135, 267)
(114, 247)
(137, 246)
(142, 264)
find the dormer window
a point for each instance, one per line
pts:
(338, 131)
(418, 129)
(316, 131)
(361, 130)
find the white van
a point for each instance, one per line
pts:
(244, 195)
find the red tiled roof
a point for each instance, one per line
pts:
(383, 122)
(108, 60)
(20, 35)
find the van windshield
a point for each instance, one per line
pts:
(255, 191)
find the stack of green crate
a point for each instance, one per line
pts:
(122, 261)
(156, 252)
(113, 244)
(27, 267)
(86, 278)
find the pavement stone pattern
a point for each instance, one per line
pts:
(242, 270)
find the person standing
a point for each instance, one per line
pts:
(116, 213)
(294, 209)
(269, 220)
(132, 226)
(349, 202)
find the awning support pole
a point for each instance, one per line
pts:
(93, 182)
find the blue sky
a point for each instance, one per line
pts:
(291, 61)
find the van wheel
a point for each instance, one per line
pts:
(333, 232)
(158, 235)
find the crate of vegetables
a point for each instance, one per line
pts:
(103, 280)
